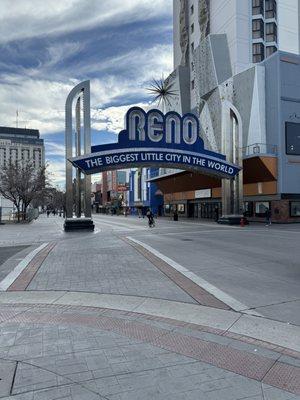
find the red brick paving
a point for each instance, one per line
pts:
(202, 328)
(26, 276)
(196, 292)
(284, 376)
(263, 369)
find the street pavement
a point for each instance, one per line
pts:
(185, 310)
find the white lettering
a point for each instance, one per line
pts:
(155, 126)
(199, 161)
(190, 129)
(187, 159)
(94, 162)
(121, 158)
(173, 128)
(136, 125)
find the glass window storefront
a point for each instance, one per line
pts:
(181, 208)
(167, 208)
(260, 208)
(209, 210)
(295, 208)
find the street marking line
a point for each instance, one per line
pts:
(216, 292)
(14, 274)
(116, 225)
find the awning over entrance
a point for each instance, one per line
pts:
(260, 169)
(255, 169)
(184, 181)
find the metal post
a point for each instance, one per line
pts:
(232, 190)
(81, 90)
(78, 153)
(87, 148)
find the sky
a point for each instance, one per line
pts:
(47, 47)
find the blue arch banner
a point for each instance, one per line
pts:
(154, 139)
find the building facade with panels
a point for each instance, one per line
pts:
(18, 144)
(237, 68)
(144, 194)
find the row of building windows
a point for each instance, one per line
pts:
(11, 154)
(4, 162)
(260, 52)
(264, 7)
(266, 32)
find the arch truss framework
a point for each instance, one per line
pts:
(78, 143)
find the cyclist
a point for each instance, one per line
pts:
(150, 217)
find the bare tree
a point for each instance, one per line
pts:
(32, 185)
(54, 198)
(21, 182)
(9, 186)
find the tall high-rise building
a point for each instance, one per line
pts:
(237, 68)
(254, 29)
(17, 144)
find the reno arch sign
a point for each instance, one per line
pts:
(152, 139)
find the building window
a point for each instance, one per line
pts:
(192, 9)
(292, 138)
(260, 208)
(248, 209)
(258, 52)
(192, 47)
(180, 208)
(270, 9)
(270, 50)
(295, 208)
(193, 84)
(257, 29)
(167, 208)
(257, 7)
(271, 32)
(192, 28)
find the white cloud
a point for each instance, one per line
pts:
(41, 102)
(54, 149)
(112, 118)
(57, 172)
(39, 92)
(54, 17)
(61, 51)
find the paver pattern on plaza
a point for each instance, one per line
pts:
(73, 352)
(120, 356)
(104, 265)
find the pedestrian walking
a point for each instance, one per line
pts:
(175, 215)
(216, 214)
(268, 216)
(48, 213)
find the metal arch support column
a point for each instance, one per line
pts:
(82, 90)
(232, 138)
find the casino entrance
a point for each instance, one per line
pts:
(204, 209)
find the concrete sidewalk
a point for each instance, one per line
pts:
(89, 317)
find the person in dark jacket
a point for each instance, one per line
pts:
(150, 217)
(216, 214)
(268, 216)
